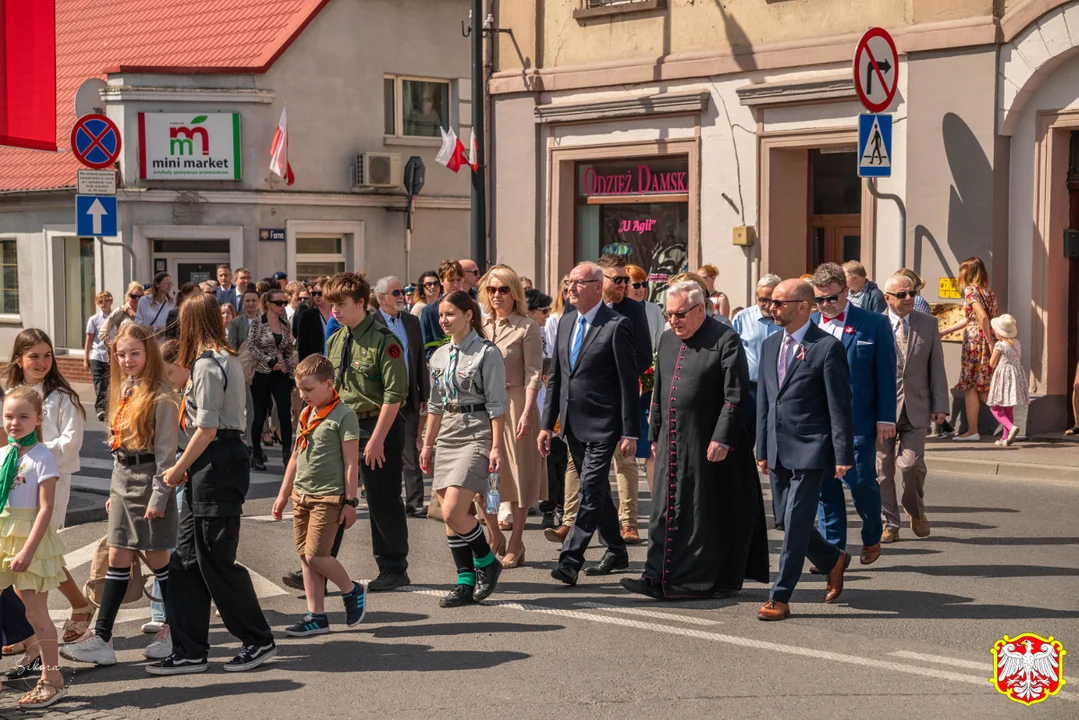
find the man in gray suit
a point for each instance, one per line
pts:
(240, 326)
(921, 395)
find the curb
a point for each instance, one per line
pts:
(82, 515)
(1027, 471)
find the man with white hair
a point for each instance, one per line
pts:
(753, 325)
(707, 528)
(406, 327)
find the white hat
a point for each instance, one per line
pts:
(1004, 326)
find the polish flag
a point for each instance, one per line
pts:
(279, 163)
(452, 153)
(473, 152)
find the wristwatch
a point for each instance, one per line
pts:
(353, 502)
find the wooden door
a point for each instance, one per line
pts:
(834, 238)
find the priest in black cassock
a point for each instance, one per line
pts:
(707, 532)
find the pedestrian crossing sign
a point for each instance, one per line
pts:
(874, 145)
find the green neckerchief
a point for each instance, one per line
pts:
(11, 465)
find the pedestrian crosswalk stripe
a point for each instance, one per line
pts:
(655, 614)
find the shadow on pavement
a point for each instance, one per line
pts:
(363, 656)
(913, 605)
(459, 628)
(987, 572)
(973, 510)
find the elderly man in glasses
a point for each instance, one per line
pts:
(707, 529)
(753, 325)
(870, 349)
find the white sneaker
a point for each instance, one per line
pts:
(969, 438)
(153, 627)
(161, 647)
(90, 649)
(1011, 435)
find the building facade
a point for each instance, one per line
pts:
(682, 132)
(197, 97)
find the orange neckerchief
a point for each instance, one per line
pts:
(118, 421)
(305, 429)
(183, 408)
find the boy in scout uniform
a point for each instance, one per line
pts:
(372, 379)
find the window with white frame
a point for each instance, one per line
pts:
(9, 278)
(317, 256)
(416, 107)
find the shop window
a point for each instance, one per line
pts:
(415, 107)
(598, 8)
(317, 256)
(636, 208)
(9, 278)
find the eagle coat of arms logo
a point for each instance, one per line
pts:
(1028, 668)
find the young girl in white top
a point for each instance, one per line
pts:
(31, 553)
(33, 364)
(1008, 387)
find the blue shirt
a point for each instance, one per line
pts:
(397, 326)
(332, 326)
(752, 327)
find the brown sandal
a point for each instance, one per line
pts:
(75, 629)
(43, 695)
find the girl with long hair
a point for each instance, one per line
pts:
(155, 305)
(217, 472)
(143, 430)
(33, 364)
(31, 552)
(465, 416)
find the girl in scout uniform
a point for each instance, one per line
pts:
(464, 422)
(217, 469)
(143, 429)
(33, 364)
(31, 553)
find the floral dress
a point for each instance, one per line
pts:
(976, 373)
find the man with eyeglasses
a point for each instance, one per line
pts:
(805, 437)
(707, 532)
(922, 396)
(470, 278)
(406, 328)
(870, 348)
(615, 284)
(754, 325)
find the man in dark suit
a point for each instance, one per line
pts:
(804, 435)
(391, 301)
(870, 350)
(615, 285)
(310, 325)
(592, 391)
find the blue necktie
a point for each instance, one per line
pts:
(575, 348)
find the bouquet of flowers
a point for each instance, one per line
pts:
(648, 378)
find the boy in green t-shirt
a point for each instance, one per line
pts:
(322, 479)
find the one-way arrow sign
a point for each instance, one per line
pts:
(95, 215)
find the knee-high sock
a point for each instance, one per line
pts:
(162, 577)
(462, 558)
(477, 542)
(112, 596)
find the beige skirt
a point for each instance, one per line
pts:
(462, 452)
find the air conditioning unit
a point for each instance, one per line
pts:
(378, 170)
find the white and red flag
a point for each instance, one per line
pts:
(452, 153)
(279, 163)
(473, 151)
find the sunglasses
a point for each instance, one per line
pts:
(680, 315)
(134, 296)
(784, 303)
(545, 311)
(278, 303)
(903, 294)
(763, 300)
(432, 283)
(821, 299)
(316, 293)
(503, 290)
(618, 279)
(396, 293)
(639, 285)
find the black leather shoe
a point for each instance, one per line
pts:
(608, 564)
(547, 521)
(388, 581)
(420, 511)
(258, 464)
(641, 586)
(293, 580)
(460, 595)
(724, 593)
(486, 580)
(566, 574)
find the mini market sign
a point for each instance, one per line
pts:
(189, 146)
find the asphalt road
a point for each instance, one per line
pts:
(910, 637)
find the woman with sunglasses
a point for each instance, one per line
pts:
(270, 345)
(124, 314)
(429, 290)
(507, 325)
(155, 305)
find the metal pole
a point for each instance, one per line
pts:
(479, 191)
(902, 219)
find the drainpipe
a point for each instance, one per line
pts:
(902, 218)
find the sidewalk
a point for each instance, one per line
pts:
(1036, 459)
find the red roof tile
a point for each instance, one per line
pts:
(190, 36)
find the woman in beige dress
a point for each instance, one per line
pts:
(507, 325)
